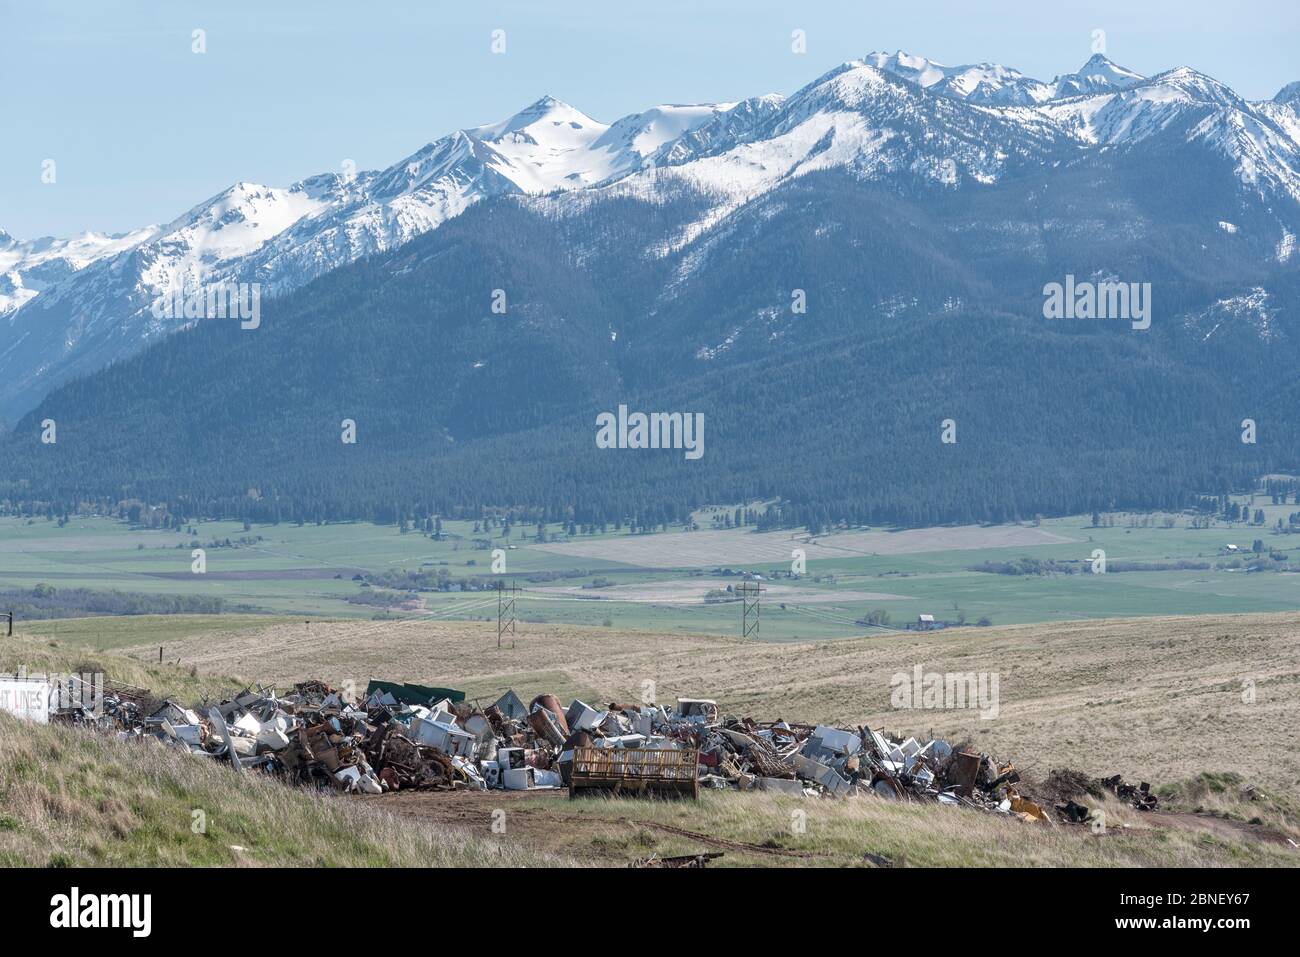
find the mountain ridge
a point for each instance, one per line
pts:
(70, 309)
(924, 301)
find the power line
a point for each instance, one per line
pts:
(506, 607)
(750, 593)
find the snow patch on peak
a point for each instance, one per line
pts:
(549, 119)
(629, 142)
(646, 132)
(918, 69)
(1195, 86)
(985, 83)
(240, 219)
(1098, 75)
(544, 147)
(1099, 66)
(1143, 108)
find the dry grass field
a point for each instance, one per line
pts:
(1154, 698)
(1201, 707)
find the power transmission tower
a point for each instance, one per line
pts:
(506, 612)
(749, 608)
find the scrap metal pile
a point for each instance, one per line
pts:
(408, 737)
(803, 759)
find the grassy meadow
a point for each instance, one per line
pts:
(658, 582)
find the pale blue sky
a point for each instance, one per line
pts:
(142, 129)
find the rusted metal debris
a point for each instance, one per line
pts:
(317, 735)
(1138, 796)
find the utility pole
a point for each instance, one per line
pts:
(506, 611)
(749, 608)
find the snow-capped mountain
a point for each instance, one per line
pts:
(29, 268)
(97, 293)
(1191, 108)
(1098, 75)
(859, 118)
(1284, 110)
(71, 306)
(547, 146)
(987, 83)
(992, 84)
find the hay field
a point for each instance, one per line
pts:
(740, 546)
(685, 590)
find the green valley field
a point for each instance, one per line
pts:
(670, 581)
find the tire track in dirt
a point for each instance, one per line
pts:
(459, 811)
(721, 842)
(1219, 827)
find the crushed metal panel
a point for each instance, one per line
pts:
(481, 728)
(273, 739)
(220, 724)
(963, 768)
(780, 786)
(510, 706)
(191, 734)
(705, 709)
(841, 742)
(827, 777)
(175, 714)
(583, 717)
(545, 726)
(552, 704)
(249, 725)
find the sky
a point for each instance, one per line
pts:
(141, 128)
